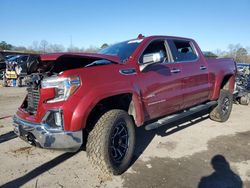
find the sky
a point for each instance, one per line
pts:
(214, 24)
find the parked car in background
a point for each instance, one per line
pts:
(20, 60)
(16, 69)
(9, 56)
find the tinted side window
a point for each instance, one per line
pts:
(183, 50)
(154, 47)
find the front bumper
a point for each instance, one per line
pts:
(39, 135)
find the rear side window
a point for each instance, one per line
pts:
(183, 50)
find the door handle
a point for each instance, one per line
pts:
(174, 70)
(203, 67)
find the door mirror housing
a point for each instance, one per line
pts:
(151, 58)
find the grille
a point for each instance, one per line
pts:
(33, 99)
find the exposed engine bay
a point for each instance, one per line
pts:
(44, 74)
(63, 63)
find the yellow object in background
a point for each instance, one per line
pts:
(11, 75)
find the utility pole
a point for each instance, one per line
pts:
(71, 45)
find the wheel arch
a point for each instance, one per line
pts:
(226, 82)
(127, 101)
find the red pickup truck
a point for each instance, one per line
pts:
(100, 98)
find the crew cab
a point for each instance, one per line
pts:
(99, 99)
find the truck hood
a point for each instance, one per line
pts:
(56, 56)
(58, 62)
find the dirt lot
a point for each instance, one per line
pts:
(173, 156)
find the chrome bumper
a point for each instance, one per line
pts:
(37, 134)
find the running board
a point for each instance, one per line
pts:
(175, 117)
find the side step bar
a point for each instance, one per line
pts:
(175, 117)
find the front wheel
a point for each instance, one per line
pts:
(110, 145)
(223, 110)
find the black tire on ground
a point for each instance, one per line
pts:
(223, 110)
(244, 100)
(110, 145)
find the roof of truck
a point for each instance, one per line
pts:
(55, 56)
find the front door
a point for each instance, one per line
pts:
(160, 83)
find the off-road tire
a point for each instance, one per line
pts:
(100, 140)
(223, 110)
(244, 100)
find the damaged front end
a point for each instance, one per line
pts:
(44, 126)
(42, 136)
(45, 117)
(41, 119)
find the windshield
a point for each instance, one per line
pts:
(124, 49)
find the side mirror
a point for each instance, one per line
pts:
(151, 58)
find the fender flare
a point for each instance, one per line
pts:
(79, 119)
(228, 79)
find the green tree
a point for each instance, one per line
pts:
(241, 55)
(5, 46)
(20, 48)
(43, 46)
(73, 49)
(91, 49)
(56, 48)
(237, 52)
(105, 45)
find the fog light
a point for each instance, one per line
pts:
(58, 119)
(54, 120)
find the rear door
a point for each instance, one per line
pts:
(195, 85)
(160, 83)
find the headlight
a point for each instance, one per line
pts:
(64, 87)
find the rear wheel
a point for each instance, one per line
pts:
(110, 144)
(223, 110)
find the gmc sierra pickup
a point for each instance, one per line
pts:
(99, 99)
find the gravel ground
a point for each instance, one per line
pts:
(196, 153)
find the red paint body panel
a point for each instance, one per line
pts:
(161, 90)
(155, 92)
(218, 69)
